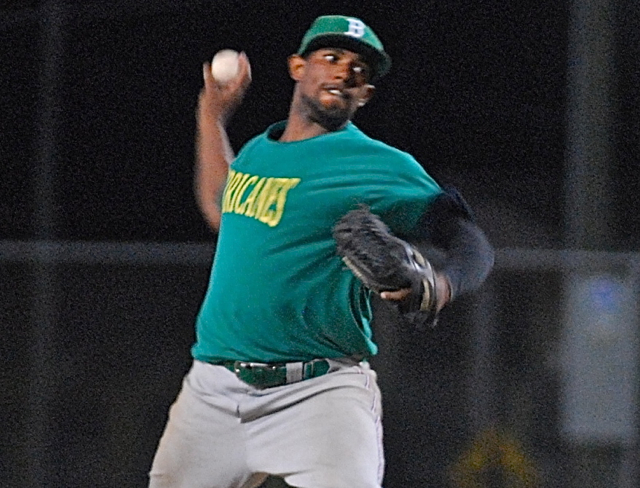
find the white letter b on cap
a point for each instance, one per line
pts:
(356, 28)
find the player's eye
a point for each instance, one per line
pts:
(332, 58)
(361, 70)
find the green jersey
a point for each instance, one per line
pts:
(278, 291)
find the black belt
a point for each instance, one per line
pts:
(267, 375)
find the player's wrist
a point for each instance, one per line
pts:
(443, 290)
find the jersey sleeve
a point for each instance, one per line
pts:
(405, 194)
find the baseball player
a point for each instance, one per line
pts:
(280, 383)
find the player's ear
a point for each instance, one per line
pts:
(296, 66)
(367, 94)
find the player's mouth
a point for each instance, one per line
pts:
(336, 91)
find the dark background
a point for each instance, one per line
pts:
(477, 93)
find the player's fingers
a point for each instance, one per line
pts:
(395, 295)
(245, 66)
(240, 83)
(443, 290)
(207, 75)
(219, 101)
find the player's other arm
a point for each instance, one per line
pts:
(214, 154)
(455, 245)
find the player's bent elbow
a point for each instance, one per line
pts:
(211, 213)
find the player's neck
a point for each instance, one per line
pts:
(299, 132)
(300, 126)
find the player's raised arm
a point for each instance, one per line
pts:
(216, 104)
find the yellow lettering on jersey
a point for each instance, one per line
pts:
(232, 181)
(260, 203)
(267, 214)
(265, 202)
(226, 190)
(273, 205)
(240, 208)
(237, 193)
(287, 184)
(250, 202)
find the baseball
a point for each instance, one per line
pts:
(225, 66)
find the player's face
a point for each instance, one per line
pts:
(332, 84)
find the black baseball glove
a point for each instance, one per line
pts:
(384, 262)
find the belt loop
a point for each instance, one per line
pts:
(294, 372)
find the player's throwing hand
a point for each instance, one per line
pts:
(218, 102)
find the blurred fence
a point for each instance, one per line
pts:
(531, 382)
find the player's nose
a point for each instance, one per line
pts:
(343, 70)
(346, 73)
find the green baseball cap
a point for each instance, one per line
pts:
(347, 33)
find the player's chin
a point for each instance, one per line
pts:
(334, 117)
(338, 104)
(332, 123)
(332, 114)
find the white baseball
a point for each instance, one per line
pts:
(225, 66)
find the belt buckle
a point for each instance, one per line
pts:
(260, 375)
(239, 366)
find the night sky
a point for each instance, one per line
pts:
(477, 94)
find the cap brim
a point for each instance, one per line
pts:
(379, 62)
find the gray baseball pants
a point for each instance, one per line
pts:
(323, 432)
